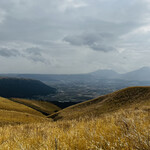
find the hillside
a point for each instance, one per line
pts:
(14, 113)
(6, 104)
(123, 129)
(23, 88)
(18, 111)
(44, 107)
(104, 104)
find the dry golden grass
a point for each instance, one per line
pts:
(15, 113)
(117, 121)
(6, 104)
(14, 117)
(125, 129)
(44, 107)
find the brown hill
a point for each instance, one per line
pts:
(43, 107)
(104, 104)
(15, 113)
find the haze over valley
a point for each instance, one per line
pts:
(82, 87)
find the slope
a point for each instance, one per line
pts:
(124, 129)
(15, 113)
(105, 104)
(44, 107)
(15, 117)
(8, 105)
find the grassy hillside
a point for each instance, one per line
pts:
(15, 113)
(23, 88)
(9, 105)
(44, 107)
(117, 121)
(15, 118)
(104, 104)
(125, 129)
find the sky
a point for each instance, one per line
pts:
(74, 36)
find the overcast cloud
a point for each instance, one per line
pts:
(74, 36)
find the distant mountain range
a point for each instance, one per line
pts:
(105, 74)
(142, 74)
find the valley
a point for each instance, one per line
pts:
(119, 120)
(80, 114)
(82, 87)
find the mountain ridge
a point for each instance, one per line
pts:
(141, 74)
(21, 88)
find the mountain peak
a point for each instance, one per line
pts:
(106, 73)
(142, 74)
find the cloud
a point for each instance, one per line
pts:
(34, 54)
(66, 36)
(2, 16)
(96, 41)
(9, 52)
(103, 48)
(34, 51)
